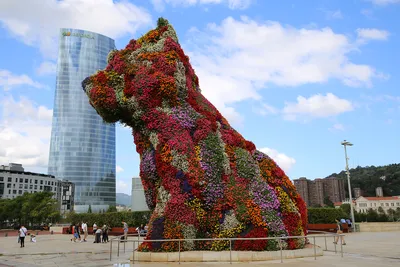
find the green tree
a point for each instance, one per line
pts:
(30, 208)
(89, 209)
(112, 209)
(346, 208)
(391, 214)
(328, 202)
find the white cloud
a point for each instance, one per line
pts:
(159, 5)
(9, 80)
(25, 130)
(124, 186)
(384, 2)
(46, 68)
(236, 59)
(38, 22)
(119, 169)
(332, 14)
(372, 34)
(317, 106)
(337, 127)
(284, 161)
(265, 109)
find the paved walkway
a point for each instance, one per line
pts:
(362, 249)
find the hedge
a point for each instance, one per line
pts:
(325, 215)
(113, 219)
(133, 219)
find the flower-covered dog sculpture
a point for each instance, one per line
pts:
(201, 178)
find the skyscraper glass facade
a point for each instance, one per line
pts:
(82, 147)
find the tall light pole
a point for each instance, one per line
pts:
(345, 144)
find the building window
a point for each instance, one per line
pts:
(381, 204)
(374, 204)
(35, 187)
(16, 180)
(14, 191)
(387, 204)
(31, 186)
(392, 204)
(21, 180)
(397, 204)
(26, 180)
(9, 191)
(1, 179)
(21, 185)
(26, 186)
(19, 192)
(8, 185)
(9, 179)
(41, 181)
(41, 188)
(35, 181)
(30, 180)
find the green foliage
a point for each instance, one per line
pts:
(368, 178)
(111, 209)
(161, 22)
(325, 215)
(30, 208)
(346, 208)
(328, 202)
(113, 219)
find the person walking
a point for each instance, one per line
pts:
(105, 233)
(22, 234)
(125, 230)
(339, 231)
(85, 231)
(94, 228)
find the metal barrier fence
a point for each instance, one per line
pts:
(324, 235)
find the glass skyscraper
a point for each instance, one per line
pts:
(82, 147)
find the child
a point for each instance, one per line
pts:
(33, 238)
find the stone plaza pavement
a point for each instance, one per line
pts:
(362, 249)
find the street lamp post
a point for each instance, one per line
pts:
(345, 144)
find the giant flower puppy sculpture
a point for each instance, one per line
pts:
(201, 178)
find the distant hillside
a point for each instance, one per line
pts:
(369, 177)
(124, 199)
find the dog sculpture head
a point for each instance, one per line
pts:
(151, 72)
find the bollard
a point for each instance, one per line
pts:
(119, 241)
(341, 248)
(51, 232)
(326, 246)
(111, 248)
(280, 245)
(179, 244)
(315, 249)
(5, 234)
(133, 253)
(37, 232)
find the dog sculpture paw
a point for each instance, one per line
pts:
(201, 178)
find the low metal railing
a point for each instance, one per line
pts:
(324, 235)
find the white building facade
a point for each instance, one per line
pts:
(138, 198)
(363, 204)
(15, 181)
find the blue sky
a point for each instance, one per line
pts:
(294, 77)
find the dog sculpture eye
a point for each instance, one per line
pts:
(201, 177)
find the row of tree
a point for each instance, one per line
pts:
(372, 215)
(29, 209)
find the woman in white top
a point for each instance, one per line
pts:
(22, 234)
